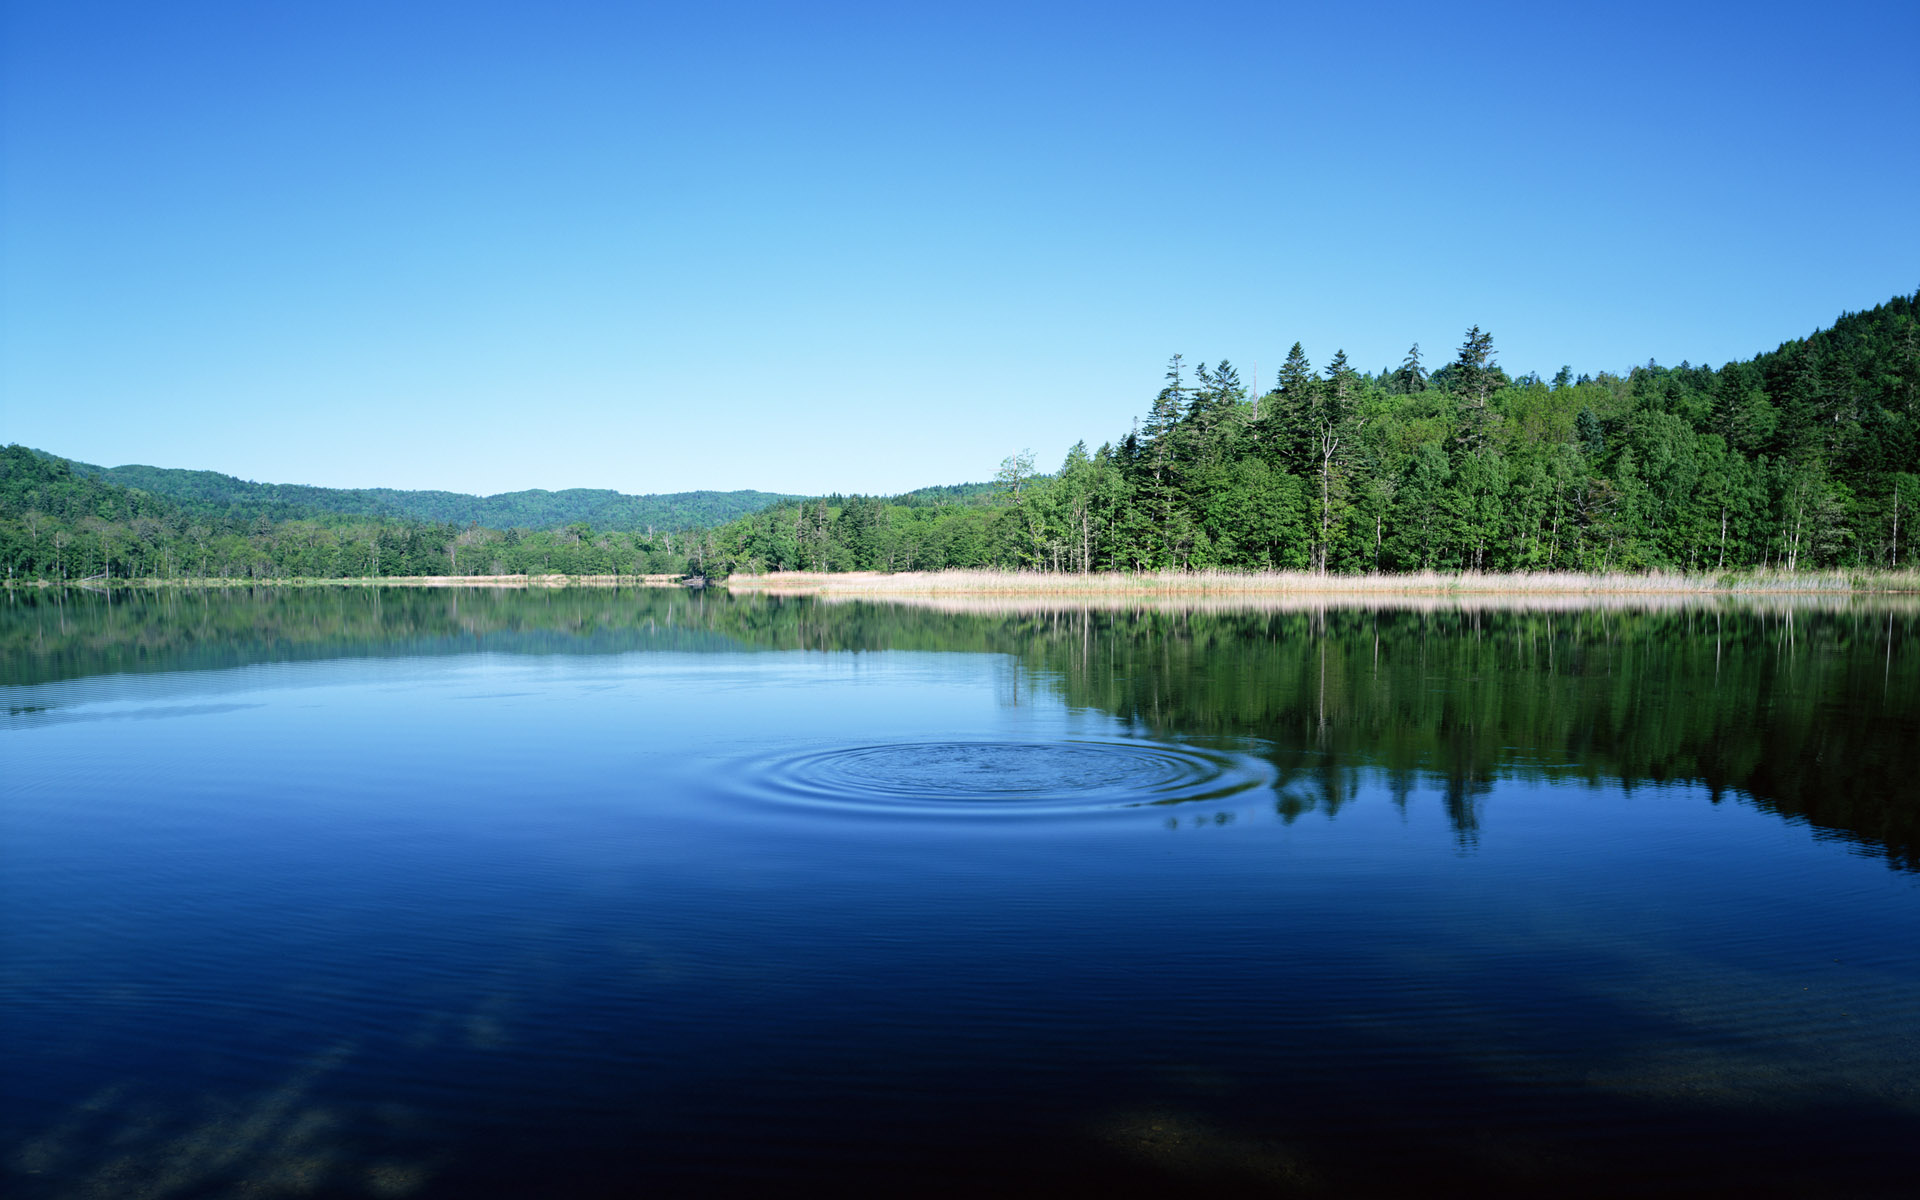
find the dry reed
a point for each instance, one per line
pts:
(1302, 584)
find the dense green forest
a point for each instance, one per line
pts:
(67, 520)
(1804, 457)
(1722, 695)
(59, 522)
(209, 494)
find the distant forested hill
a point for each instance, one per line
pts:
(211, 494)
(950, 493)
(59, 520)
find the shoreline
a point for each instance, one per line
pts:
(1301, 584)
(411, 581)
(964, 584)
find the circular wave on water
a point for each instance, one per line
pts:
(1008, 776)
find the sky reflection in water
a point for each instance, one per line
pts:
(515, 893)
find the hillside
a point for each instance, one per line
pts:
(947, 494)
(1806, 456)
(65, 520)
(60, 521)
(212, 494)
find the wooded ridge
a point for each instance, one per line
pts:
(209, 494)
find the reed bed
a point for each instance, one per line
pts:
(1308, 585)
(1047, 588)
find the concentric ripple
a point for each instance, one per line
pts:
(1008, 776)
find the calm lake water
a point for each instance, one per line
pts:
(577, 893)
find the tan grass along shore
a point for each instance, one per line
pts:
(1218, 585)
(1226, 584)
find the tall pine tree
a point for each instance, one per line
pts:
(1473, 380)
(1411, 378)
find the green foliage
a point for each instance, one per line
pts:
(61, 522)
(1792, 460)
(210, 494)
(1805, 457)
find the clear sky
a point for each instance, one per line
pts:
(806, 247)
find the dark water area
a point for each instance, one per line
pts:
(344, 892)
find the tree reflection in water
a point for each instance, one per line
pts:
(1808, 708)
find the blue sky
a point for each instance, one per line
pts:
(870, 247)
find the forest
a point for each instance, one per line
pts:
(211, 494)
(59, 522)
(1804, 457)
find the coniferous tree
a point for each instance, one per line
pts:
(1213, 417)
(1287, 419)
(1792, 383)
(1473, 382)
(1159, 458)
(1740, 412)
(1335, 411)
(1411, 378)
(1590, 435)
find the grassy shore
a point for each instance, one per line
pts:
(1190, 585)
(1302, 584)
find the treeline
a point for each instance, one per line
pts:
(1805, 457)
(57, 522)
(209, 494)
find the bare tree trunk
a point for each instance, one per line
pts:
(1799, 515)
(1326, 503)
(1896, 525)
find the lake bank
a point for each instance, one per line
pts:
(970, 585)
(404, 581)
(1223, 584)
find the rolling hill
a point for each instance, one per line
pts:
(212, 494)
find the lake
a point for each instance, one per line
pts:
(407, 893)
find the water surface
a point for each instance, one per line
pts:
(364, 893)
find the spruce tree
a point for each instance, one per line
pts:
(1296, 374)
(1590, 436)
(1473, 382)
(1411, 378)
(1213, 414)
(1159, 449)
(1287, 422)
(1335, 413)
